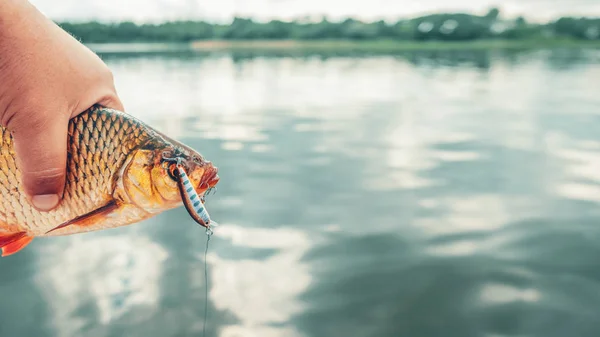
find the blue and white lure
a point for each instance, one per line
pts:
(193, 203)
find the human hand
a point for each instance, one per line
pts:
(47, 77)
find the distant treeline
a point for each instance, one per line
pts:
(441, 27)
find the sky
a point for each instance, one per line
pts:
(225, 10)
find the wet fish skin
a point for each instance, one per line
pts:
(116, 175)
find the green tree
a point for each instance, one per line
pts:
(493, 14)
(441, 27)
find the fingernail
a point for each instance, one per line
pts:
(45, 202)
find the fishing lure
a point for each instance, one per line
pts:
(192, 202)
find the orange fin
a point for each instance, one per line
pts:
(16, 245)
(12, 243)
(90, 218)
(6, 239)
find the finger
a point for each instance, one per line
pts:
(109, 100)
(112, 102)
(41, 151)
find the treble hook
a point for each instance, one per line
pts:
(177, 160)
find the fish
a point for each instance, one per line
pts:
(120, 171)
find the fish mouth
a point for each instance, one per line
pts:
(210, 178)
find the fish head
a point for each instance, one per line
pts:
(150, 179)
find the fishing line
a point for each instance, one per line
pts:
(208, 235)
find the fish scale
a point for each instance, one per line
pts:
(85, 179)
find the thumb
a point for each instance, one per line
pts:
(41, 153)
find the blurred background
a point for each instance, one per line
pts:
(388, 168)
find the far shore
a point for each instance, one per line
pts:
(381, 46)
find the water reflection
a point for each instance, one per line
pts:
(94, 280)
(436, 194)
(261, 292)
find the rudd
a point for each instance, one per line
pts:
(120, 171)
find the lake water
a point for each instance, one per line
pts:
(449, 194)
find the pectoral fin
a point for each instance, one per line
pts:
(12, 243)
(90, 218)
(16, 245)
